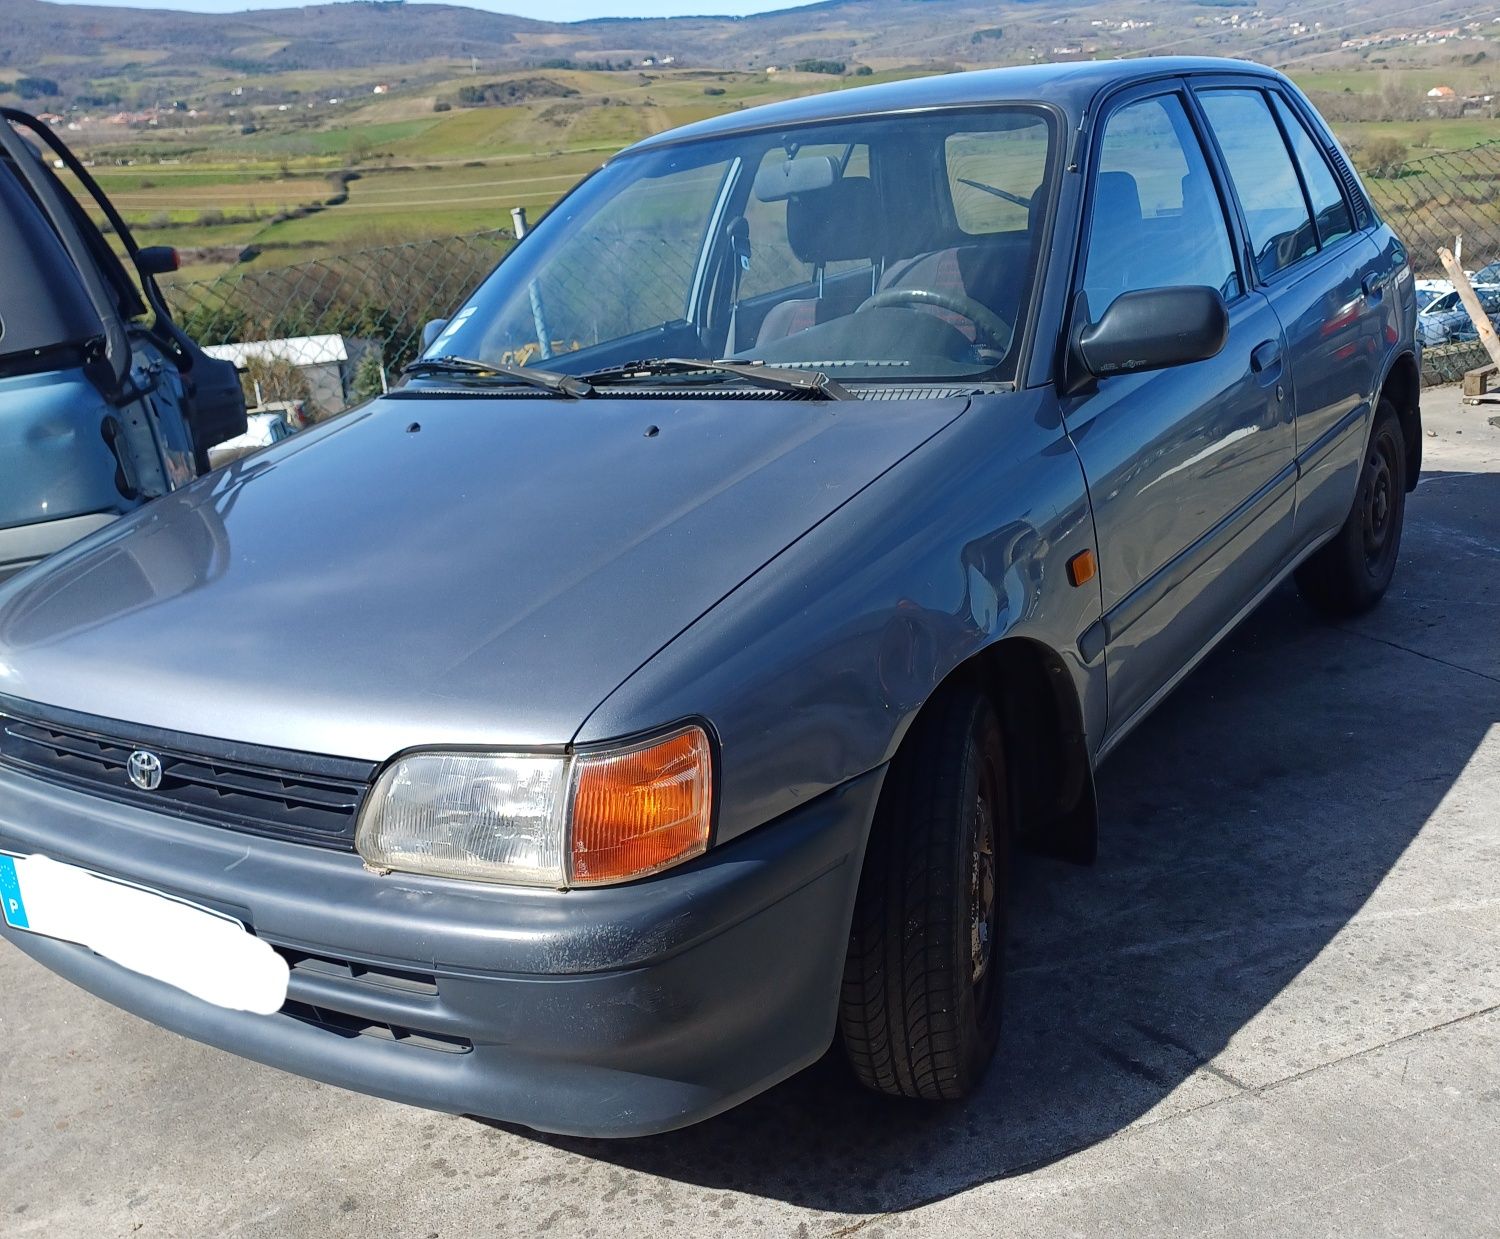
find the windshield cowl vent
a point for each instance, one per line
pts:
(683, 392)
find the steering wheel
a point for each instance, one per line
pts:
(989, 327)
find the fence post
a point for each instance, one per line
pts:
(538, 313)
(1476, 312)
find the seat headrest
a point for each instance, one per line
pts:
(1118, 197)
(841, 221)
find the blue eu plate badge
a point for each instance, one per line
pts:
(11, 903)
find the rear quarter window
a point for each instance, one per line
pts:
(1330, 211)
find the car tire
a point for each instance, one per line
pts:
(923, 978)
(1351, 573)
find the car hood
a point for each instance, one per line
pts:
(438, 570)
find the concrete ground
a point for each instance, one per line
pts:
(1273, 1007)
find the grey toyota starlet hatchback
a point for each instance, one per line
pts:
(658, 681)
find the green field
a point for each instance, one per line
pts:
(254, 180)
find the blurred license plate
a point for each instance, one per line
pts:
(203, 953)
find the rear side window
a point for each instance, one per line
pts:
(994, 174)
(1264, 177)
(1156, 218)
(1330, 211)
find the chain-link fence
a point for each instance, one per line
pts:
(334, 330)
(1432, 201)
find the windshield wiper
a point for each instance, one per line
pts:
(999, 193)
(551, 380)
(754, 372)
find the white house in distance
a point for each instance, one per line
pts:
(321, 360)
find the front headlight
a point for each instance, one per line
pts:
(606, 815)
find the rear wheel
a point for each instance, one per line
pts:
(1352, 572)
(921, 998)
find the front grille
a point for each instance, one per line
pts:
(277, 793)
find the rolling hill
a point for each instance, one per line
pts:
(133, 52)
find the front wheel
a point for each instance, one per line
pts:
(920, 1004)
(1351, 573)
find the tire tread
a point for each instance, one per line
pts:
(901, 1011)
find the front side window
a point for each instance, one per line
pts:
(1265, 179)
(899, 248)
(1156, 219)
(1330, 211)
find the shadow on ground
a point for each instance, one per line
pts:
(1244, 825)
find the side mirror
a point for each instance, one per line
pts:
(157, 260)
(431, 330)
(1154, 328)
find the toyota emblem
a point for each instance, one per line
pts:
(144, 770)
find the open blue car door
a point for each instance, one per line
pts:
(105, 403)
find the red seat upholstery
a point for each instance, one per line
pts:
(841, 222)
(835, 224)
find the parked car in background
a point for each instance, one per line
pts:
(1446, 321)
(267, 425)
(104, 403)
(1429, 291)
(667, 708)
(1487, 274)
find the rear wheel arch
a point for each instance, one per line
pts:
(1402, 386)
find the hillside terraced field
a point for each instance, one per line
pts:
(300, 165)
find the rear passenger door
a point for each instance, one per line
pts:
(1326, 279)
(1190, 469)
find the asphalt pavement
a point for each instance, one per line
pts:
(1273, 1006)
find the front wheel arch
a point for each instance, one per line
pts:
(1051, 776)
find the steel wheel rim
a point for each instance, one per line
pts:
(1378, 499)
(982, 893)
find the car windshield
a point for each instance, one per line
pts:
(899, 248)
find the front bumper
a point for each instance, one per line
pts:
(616, 1011)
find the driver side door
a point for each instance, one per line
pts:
(1190, 469)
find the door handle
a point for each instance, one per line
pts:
(1265, 355)
(1372, 284)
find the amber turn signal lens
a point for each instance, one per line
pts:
(1081, 568)
(640, 810)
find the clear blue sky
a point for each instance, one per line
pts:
(542, 10)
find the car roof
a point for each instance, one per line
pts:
(1072, 86)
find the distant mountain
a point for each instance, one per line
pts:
(157, 49)
(158, 42)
